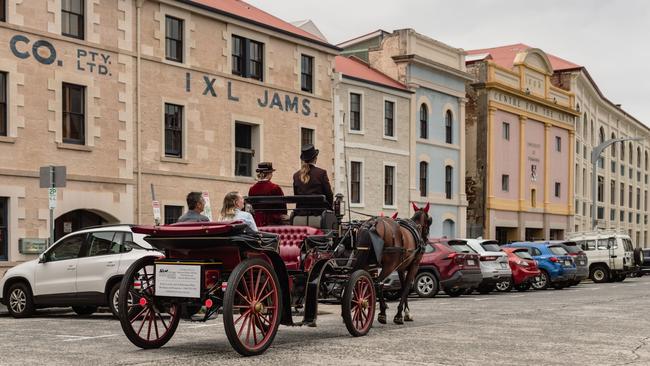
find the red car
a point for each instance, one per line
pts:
(524, 269)
(446, 264)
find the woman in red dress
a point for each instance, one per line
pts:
(267, 214)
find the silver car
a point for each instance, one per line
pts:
(494, 263)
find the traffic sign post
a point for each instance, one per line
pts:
(52, 177)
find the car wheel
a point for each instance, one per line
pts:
(392, 295)
(523, 287)
(638, 257)
(426, 284)
(559, 285)
(114, 297)
(504, 286)
(599, 274)
(620, 278)
(542, 281)
(454, 292)
(20, 302)
(84, 310)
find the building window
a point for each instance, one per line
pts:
(629, 202)
(424, 175)
(355, 112)
(557, 189)
(172, 213)
(601, 189)
(74, 114)
(612, 192)
(505, 182)
(613, 166)
(622, 151)
(247, 58)
(449, 124)
(577, 206)
(533, 197)
(306, 136)
(244, 149)
(72, 18)
(622, 195)
(638, 198)
(173, 130)
(424, 122)
(613, 149)
(558, 143)
(355, 181)
(389, 184)
(629, 217)
(4, 235)
(631, 153)
(621, 216)
(173, 39)
(622, 170)
(612, 214)
(389, 127)
(3, 11)
(506, 131)
(600, 213)
(638, 157)
(646, 161)
(645, 200)
(4, 123)
(448, 180)
(306, 73)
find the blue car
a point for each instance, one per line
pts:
(557, 267)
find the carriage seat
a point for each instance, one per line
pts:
(291, 239)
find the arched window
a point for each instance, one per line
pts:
(449, 229)
(613, 150)
(638, 157)
(424, 174)
(623, 151)
(592, 132)
(631, 152)
(448, 181)
(577, 120)
(584, 124)
(646, 161)
(424, 121)
(449, 127)
(601, 136)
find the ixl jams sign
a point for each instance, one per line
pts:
(44, 52)
(268, 99)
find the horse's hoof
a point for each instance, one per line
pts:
(408, 318)
(398, 321)
(381, 319)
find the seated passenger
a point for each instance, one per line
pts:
(267, 213)
(196, 204)
(233, 203)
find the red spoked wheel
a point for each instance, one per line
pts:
(147, 321)
(359, 303)
(252, 307)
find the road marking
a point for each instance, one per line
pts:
(613, 286)
(593, 289)
(518, 296)
(483, 299)
(443, 303)
(74, 338)
(203, 326)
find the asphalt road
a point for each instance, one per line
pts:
(592, 324)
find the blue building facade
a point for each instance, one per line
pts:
(436, 73)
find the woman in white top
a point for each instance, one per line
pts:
(233, 203)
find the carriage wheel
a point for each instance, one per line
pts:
(146, 321)
(359, 303)
(252, 307)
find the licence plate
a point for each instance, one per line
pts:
(503, 266)
(582, 263)
(567, 263)
(470, 262)
(178, 280)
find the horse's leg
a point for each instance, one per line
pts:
(389, 264)
(381, 318)
(410, 277)
(398, 319)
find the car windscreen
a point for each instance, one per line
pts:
(460, 247)
(572, 247)
(523, 254)
(557, 250)
(491, 247)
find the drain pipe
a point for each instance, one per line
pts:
(138, 149)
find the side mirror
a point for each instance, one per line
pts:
(41, 258)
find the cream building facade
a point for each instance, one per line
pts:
(181, 95)
(622, 176)
(372, 139)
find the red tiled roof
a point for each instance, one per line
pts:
(504, 56)
(241, 9)
(357, 69)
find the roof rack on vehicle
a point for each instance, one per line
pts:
(599, 231)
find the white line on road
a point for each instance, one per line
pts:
(203, 326)
(518, 296)
(74, 338)
(483, 299)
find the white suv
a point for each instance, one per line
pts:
(610, 254)
(494, 263)
(83, 270)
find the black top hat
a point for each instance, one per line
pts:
(309, 152)
(264, 167)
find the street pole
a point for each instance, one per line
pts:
(52, 185)
(595, 156)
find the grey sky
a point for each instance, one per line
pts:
(610, 37)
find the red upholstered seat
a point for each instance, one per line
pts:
(291, 238)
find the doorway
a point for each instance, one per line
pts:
(76, 220)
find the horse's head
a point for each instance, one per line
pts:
(422, 219)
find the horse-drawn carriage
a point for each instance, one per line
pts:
(254, 279)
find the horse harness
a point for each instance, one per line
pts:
(370, 226)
